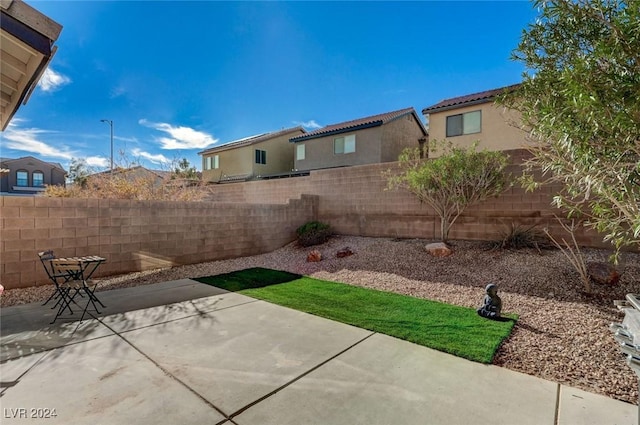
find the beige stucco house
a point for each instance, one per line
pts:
(476, 117)
(250, 158)
(369, 140)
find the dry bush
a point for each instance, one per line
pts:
(126, 185)
(572, 252)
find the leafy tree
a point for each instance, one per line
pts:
(580, 101)
(452, 182)
(184, 170)
(79, 171)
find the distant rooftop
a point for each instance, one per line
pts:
(372, 121)
(246, 141)
(54, 164)
(469, 99)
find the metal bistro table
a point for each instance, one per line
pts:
(71, 276)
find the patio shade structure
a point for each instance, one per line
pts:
(27, 40)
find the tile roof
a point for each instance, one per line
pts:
(246, 141)
(372, 121)
(120, 170)
(469, 99)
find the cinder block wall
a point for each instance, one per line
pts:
(139, 235)
(355, 201)
(245, 219)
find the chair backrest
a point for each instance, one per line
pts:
(45, 258)
(62, 265)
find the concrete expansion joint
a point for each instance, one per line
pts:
(297, 378)
(556, 418)
(198, 313)
(167, 372)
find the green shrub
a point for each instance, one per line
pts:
(520, 237)
(313, 233)
(459, 178)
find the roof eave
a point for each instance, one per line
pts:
(427, 111)
(415, 116)
(258, 139)
(336, 131)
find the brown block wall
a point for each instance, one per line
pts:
(355, 201)
(138, 235)
(245, 219)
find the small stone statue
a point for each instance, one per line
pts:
(491, 304)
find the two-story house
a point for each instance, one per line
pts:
(474, 117)
(29, 175)
(369, 140)
(250, 158)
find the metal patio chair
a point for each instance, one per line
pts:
(56, 277)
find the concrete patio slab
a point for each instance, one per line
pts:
(152, 295)
(584, 408)
(105, 382)
(232, 360)
(234, 357)
(26, 329)
(137, 319)
(12, 371)
(15, 342)
(384, 380)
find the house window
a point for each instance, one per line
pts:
(261, 156)
(211, 162)
(467, 123)
(300, 151)
(22, 178)
(215, 162)
(38, 178)
(346, 144)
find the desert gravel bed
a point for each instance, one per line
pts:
(562, 334)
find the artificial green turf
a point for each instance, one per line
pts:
(452, 329)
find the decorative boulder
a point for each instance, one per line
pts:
(314, 256)
(603, 273)
(344, 252)
(439, 249)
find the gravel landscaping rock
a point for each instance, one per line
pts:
(562, 334)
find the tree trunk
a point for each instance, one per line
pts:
(444, 229)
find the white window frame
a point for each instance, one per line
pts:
(344, 144)
(466, 128)
(19, 180)
(260, 157)
(33, 177)
(300, 152)
(211, 162)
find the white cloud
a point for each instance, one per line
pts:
(312, 124)
(97, 161)
(181, 137)
(27, 140)
(156, 159)
(52, 80)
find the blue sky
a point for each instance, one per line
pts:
(177, 77)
